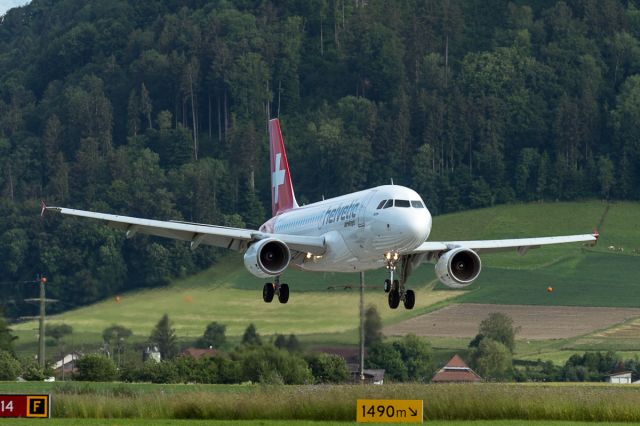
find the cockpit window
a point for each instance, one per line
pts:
(388, 204)
(417, 204)
(381, 204)
(402, 203)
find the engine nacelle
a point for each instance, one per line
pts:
(458, 268)
(267, 258)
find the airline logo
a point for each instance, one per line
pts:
(341, 213)
(282, 190)
(277, 178)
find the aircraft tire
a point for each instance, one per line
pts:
(387, 285)
(268, 292)
(409, 299)
(394, 298)
(283, 294)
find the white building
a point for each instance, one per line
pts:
(623, 378)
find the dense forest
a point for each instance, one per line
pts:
(159, 109)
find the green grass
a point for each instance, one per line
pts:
(453, 402)
(588, 279)
(173, 422)
(323, 307)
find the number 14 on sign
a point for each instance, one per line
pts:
(6, 406)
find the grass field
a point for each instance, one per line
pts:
(323, 308)
(454, 402)
(168, 422)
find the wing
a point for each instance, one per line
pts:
(521, 245)
(219, 236)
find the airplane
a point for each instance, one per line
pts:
(386, 226)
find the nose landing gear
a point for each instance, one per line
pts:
(275, 288)
(396, 290)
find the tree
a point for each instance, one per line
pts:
(6, 337)
(328, 368)
(9, 366)
(499, 327)
(58, 331)
(251, 336)
(372, 326)
(31, 371)
(417, 357)
(116, 336)
(492, 360)
(165, 337)
(289, 343)
(96, 368)
(268, 364)
(213, 336)
(386, 356)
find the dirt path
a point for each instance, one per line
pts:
(535, 322)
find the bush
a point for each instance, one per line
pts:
(31, 371)
(328, 368)
(261, 363)
(96, 368)
(213, 336)
(159, 372)
(9, 366)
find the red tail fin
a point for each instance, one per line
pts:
(282, 196)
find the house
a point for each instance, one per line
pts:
(351, 354)
(67, 364)
(151, 353)
(197, 353)
(373, 376)
(623, 378)
(456, 371)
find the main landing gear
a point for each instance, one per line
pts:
(396, 290)
(275, 288)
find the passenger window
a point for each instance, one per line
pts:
(388, 204)
(381, 204)
(402, 203)
(417, 204)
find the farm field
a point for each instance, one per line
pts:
(323, 308)
(534, 322)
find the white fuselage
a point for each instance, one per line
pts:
(358, 229)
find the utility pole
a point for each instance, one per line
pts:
(42, 301)
(362, 327)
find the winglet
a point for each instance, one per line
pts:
(283, 197)
(596, 235)
(43, 206)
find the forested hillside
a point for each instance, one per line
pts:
(159, 109)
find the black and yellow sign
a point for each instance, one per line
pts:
(38, 406)
(389, 411)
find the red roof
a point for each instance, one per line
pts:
(199, 353)
(456, 371)
(456, 361)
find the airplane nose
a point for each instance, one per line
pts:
(419, 225)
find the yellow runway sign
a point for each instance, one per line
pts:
(389, 411)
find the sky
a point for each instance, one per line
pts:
(8, 4)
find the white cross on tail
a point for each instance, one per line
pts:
(277, 178)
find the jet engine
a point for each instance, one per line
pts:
(458, 268)
(266, 258)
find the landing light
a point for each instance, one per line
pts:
(309, 255)
(389, 256)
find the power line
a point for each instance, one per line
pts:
(42, 301)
